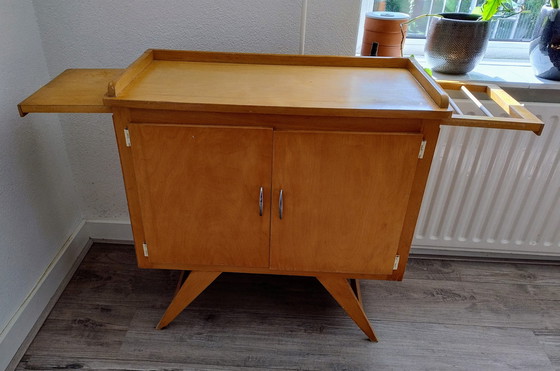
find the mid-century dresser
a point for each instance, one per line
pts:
(273, 164)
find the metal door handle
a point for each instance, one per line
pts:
(281, 204)
(261, 202)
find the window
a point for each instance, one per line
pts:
(515, 31)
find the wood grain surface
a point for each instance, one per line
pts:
(446, 314)
(273, 88)
(342, 291)
(74, 90)
(193, 286)
(345, 198)
(519, 118)
(199, 189)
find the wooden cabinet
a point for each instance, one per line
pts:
(205, 196)
(272, 164)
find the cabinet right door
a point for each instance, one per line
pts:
(344, 199)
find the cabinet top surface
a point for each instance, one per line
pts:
(278, 84)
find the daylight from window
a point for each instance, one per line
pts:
(515, 28)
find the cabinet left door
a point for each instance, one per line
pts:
(200, 193)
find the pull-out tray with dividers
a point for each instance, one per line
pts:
(518, 117)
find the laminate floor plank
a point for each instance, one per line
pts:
(108, 284)
(83, 330)
(72, 340)
(550, 340)
(330, 342)
(449, 302)
(111, 254)
(480, 271)
(444, 315)
(62, 363)
(430, 301)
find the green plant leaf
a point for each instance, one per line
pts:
(490, 8)
(502, 8)
(477, 10)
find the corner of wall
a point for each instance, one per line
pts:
(20, 330)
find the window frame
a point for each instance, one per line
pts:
(507, 51)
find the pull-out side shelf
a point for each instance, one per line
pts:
(519, 118)
(74, 90)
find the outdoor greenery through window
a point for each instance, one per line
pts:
(515, 28)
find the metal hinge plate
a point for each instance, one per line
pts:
(145, 248)
(422, 149)
(127, 137)
(396, 263)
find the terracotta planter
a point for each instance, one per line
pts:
(384, 29)
(456, 43)
(544, 50)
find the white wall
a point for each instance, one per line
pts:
(38, 203)
(56, 170)
(332, 27)
(104, 33)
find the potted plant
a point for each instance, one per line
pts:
(544, 50)
(456, 42)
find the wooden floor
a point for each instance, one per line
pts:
(444, 315)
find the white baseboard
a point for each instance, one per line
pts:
(110, 231)
(463, 252)
(25, 323)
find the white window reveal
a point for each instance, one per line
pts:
(508, 39)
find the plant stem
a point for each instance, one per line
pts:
(412, 20)
(429, 15)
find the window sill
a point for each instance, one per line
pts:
(517, 78)
(514, 73)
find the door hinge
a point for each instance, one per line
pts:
(422, 149)
(396, 263)
(145, 247)
(127, 137)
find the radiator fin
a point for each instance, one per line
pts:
(494, 190)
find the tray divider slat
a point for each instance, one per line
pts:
(478, 103)
(455, 107)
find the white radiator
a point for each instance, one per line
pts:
(494, 191)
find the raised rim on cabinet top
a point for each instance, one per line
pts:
(154, 79)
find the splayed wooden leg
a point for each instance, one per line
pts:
(355, 284)
(180, 282)
(342, 292)
(195, 283)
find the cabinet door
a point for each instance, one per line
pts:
(345, 196)
(199, 190)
